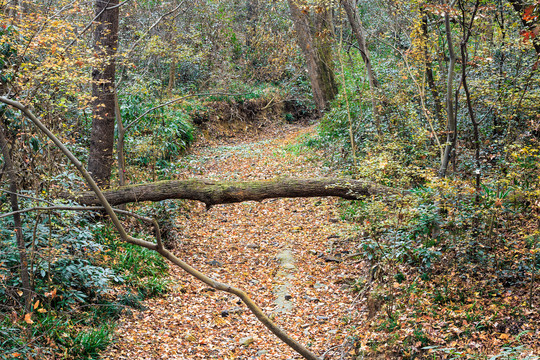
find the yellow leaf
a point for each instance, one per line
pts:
(36, 305)
(20, 292)
(504, 336)
(42, 310)
(28, 318)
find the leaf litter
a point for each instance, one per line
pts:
(242, 244)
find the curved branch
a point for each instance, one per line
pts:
(255, 309)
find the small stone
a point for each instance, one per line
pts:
(313, 252)
(331, 259)
(289, 267)
(262, 352)
(253, 246)
(318, 286)
(288, 297)
(214, 263)
(322, 318)
(246, 340)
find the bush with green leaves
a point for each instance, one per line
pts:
(162, 135)
(83, 277)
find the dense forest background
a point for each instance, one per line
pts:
(436, 103)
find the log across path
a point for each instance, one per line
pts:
(244, 244)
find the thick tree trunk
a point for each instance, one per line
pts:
(318, 58)
(216, 192)
(102, 136)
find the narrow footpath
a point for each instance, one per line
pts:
(291, 255)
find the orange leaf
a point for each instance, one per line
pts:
(28, 318)
(36, 305)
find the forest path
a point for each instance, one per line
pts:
(283, 252)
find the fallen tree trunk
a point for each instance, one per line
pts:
(224, 192)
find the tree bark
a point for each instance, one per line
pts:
(215, 192)
(451, 123)
(318, 58)
(21, 246)
(103, 76)
(358, 32)
(429, 71)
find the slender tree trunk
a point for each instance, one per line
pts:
(318, 58)
(103, 76)
(464, 59)
(429, 74)
(120, 143)
(23, 259)
(358, 32)
(451, 124)
(349, 118)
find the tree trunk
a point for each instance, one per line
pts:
(21, 246)
(318, 57)
(429, 72)
(215, 192)
(451, 124)
(102, 136)
(358, 32)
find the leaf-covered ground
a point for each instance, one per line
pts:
(291, 255)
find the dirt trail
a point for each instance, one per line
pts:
(277, 250)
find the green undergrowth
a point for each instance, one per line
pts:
(451, 267)
(84, 279)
